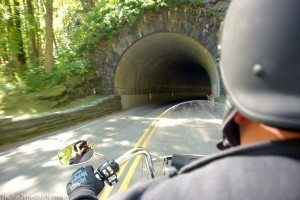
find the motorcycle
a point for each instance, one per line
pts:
(174, 140)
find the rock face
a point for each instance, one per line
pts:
(20, 128)
(200, 23)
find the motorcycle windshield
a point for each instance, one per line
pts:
(192, 127)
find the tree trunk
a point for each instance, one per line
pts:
(32, 32)
(18, 32)
(49, 59)
(12, 47)
(87, 5)
(39, 32)
(3, 37)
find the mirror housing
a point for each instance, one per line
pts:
(79, 152)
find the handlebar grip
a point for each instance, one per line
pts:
(108, 172)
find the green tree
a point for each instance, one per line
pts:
(49, 37)
(9, 40)
(32, 29)
(3, 32)
(18, 33)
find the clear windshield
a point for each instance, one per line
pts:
(192, 127)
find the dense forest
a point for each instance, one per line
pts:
(43, 42)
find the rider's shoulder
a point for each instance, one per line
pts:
(289, 149)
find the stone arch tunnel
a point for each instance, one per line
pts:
(165, 67)
(171, 54)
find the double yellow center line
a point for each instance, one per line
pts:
(143, 141)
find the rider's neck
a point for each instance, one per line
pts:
(252, 132)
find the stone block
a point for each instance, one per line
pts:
(188, 29)
(130, 39)
(211, 43)
(119, 49)
(221, 6)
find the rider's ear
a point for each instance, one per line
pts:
(239, 118)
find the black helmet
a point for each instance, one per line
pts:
(260, 61)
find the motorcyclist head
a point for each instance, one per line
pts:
(260, 64)
(81, 147)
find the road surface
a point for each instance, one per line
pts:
(31, 169)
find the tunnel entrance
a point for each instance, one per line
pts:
(165, 67)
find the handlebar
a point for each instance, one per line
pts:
(135, 152)
(107, 171)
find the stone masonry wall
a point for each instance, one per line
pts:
(20, 128)
(201, 24)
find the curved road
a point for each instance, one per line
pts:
(192, 127)
(31, 169)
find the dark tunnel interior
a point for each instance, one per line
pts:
(163, 67)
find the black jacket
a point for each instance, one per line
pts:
(268, 170)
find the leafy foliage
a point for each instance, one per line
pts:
(79, 27)
(105, 19)
(37, 79)
(102, 22)
(210, 13)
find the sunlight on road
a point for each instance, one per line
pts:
(18, 184)
(165, 122)
(51, 163)
(32, 168)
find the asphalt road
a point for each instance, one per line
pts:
(31, 169)
(188, 128)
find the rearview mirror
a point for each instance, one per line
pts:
(79, 152)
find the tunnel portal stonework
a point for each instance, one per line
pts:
(170, 54)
